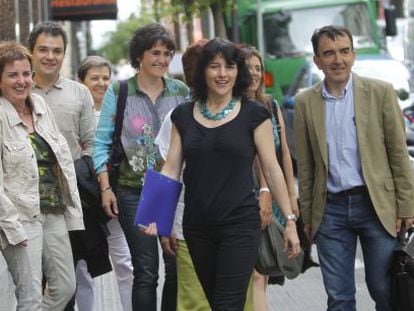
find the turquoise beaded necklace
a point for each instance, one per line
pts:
(219, 115)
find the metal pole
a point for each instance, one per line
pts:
(260, 27)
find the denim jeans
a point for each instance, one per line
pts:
(145, 260)
(346, 218)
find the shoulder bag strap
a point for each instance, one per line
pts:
(117, 151)
(120, 108)
(275, 109)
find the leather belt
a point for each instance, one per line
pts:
(359, 190)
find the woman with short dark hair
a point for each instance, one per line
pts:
(151, 95)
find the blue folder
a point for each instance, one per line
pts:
(158, 202)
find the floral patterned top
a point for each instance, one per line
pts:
(50, 197)
(142, 121)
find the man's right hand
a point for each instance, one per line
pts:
(109, 203)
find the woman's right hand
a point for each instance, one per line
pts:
(169, 245)
(109, 203)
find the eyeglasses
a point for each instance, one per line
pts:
(158, 53)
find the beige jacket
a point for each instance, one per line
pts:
(383, 152)
(19, 178)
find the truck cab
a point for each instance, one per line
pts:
(288, 26)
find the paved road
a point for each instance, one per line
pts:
(305, 293)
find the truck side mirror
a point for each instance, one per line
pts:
(390, 21)
(402, 94)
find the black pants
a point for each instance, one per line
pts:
(224, 257)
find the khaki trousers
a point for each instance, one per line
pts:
(21, 262)
(57, 263)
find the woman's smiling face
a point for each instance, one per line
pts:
(256, 72)
(16, 81)
(97, 80)
(220, 76)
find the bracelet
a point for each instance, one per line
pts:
(291, 217)
(264, 189)
(106, 188)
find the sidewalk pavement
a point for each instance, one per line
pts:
(7, 300)
(305, 293)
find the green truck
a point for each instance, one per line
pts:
(288, 26)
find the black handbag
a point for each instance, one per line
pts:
(402, 273)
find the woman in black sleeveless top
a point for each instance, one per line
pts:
(218, 136)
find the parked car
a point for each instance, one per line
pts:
(383, 68)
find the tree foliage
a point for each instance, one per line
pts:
(117, 41)
(177, 11)
(186, 10)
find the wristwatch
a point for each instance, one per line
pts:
(291, 217)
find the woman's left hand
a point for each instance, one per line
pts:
(291, 239)
(265, 204)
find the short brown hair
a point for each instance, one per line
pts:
(11, 51)
(145, 38)
(50, 29)
(89, 62)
